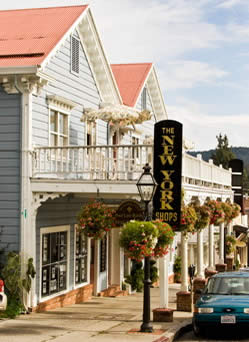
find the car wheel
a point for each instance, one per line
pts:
(198, 331)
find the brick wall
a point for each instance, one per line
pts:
(77, 296)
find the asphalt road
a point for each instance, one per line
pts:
(217, 334)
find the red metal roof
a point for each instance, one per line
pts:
(28, 35)
(130, 79)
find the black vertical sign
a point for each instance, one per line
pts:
(168, 171)
(237, 167)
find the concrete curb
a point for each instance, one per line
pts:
(177, 330)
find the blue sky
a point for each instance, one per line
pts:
(200, 49)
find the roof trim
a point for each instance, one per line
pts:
(155, 93)
(19, 70)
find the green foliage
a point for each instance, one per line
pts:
(15, 284)
(223, 153)
(136, 278)
(188, 219)
(230, 243)
(153, 271)
(203, 216)
(177, 267)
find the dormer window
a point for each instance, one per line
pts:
(75, 55)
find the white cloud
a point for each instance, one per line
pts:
(203, 129)
(230, 3)
(186, 74)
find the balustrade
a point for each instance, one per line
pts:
(117, 162)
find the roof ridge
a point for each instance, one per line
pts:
(39, 8)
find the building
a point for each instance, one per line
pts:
(55, 157)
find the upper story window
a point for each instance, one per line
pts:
(75, 55)
(59, 130)
(59, 113)
(91, 133)
(144, 99)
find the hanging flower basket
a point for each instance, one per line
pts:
(217, 215)
(164, 240)
(95, 219)
(235, 210)
(188, 219)
(230, 243)
(203, 216)
(228, 211)
(138, 238)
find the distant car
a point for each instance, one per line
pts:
(223, 302)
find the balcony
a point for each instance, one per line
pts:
(121, 163)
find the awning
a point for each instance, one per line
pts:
(240, 229)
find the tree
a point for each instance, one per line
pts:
(223, 153)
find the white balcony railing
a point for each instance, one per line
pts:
(116, 162)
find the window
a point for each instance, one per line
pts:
(75, 52)
(54, 260)
(135, 150)
(144, 99)
(81, 258)
(58, 128)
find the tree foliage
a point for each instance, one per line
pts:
(223, 152)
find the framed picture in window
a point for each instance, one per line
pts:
(62, 239)
(53, 272)
(44, 275)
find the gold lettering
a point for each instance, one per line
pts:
(165, 187)
(167, 174)
(170, 159)
(167, 139)
(168, 130)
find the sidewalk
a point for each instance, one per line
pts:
(100, 319)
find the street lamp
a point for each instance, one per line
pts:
(146, 186)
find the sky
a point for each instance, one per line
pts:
(200, 50)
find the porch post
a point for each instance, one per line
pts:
(164, 281)
(211, 247)
(184, 258)
(200, 271)
(221, 244)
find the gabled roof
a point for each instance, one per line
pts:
(27, 36)
(130, 79)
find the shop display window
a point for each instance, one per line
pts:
(54, 263)
(81, 252)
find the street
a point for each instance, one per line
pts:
(217, 334)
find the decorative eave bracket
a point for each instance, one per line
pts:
(25, 83)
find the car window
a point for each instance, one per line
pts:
(228, 286)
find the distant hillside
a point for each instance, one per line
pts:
(240, 153)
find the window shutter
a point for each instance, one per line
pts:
(75, 51)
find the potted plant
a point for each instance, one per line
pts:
(138, 238)
(217, 215)
(228, 212)
(203, 216)
(164, 240)
(230, 243)
(188, 219)
(95, 219)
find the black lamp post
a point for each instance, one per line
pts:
(146, 186)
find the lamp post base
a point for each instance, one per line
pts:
(146, 327)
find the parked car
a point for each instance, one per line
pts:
(223, 302)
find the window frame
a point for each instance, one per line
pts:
(58, 112)
(78, 285)
(48, 230)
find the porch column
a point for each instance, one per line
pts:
(184, 258)
(96, 267)
(191, 254)
(200, 271)
(221, 244)
(211, 247)
(164, 281)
